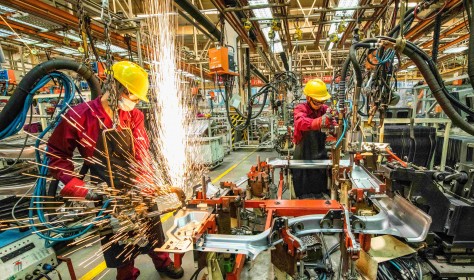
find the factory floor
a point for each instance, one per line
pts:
(88, 265)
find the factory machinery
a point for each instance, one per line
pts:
(389, 218)
(393, 219)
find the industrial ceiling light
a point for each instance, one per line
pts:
(65, 50)
(44, 45)
(456, 50)
(5, 9)
(274, 43)
(69, 35)
(5, 33)
(336, 28)
(113, 48)
(26, 41)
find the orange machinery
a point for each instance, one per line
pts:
(220, 62)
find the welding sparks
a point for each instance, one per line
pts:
(172, 117)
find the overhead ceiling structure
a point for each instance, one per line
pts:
(327, 27)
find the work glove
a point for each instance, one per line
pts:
(324, 121)
(76, 188)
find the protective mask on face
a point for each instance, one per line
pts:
(126, 105)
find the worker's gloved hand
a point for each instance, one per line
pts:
(322, 122)
(75, 188)
(179, 192)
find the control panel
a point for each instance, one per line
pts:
(23, 256)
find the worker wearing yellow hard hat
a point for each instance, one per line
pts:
(310, 118)
(82, 128)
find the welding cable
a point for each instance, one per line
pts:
(45, 276)
(417, 10)
(439, 91)
(436, 33)
(40, 186)
(339, 141)
(409, 17)
(454, 101)
(470, 54)
(13, 115)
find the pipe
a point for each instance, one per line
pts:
(438, 89)
(193, 11)
(436, 33)
(16, 102)
(249, 86)
(211, 28)
(470, 56)
(284, 59)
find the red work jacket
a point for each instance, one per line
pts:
(80, 128)
(304, 116)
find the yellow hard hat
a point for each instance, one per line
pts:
(316, 89)
(132, 77)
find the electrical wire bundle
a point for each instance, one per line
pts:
(404, 268)
(54, 234)
(12, 119)
(287, 78)
(382, 87)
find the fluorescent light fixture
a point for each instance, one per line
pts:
(339, 15)
(72, 36)
(33, 21)
(456, 49)
(113, 48)
(26, 41)
(411, 67)
(275, 43)
(44, 45)
(65, 50)
(331, 45)
(5, 9)
(403, 71)
(5, 33)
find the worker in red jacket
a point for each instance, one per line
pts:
(81, 128)
(309, 119)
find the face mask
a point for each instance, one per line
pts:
(126, 105)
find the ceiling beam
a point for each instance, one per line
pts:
(322, 18)
(234, 22)
(352, 25)
(446, 33)
(422, 27)
(64, 18)
(377, 15)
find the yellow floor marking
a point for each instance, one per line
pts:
(231, 168)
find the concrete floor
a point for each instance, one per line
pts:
(88, 259)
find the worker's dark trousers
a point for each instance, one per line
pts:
(310, 183)
(124, 262)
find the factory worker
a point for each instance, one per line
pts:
(82, 128)
(309, 119)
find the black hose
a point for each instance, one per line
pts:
(408, 16)
(455, 102)
(470, 55)
(16, 102)
(436, 33)
(370, 43)
(437, 91)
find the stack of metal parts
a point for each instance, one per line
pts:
(460, 150)
(416, 144)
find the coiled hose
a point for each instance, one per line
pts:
(12, 117)
(432, 78)
(470, 54)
